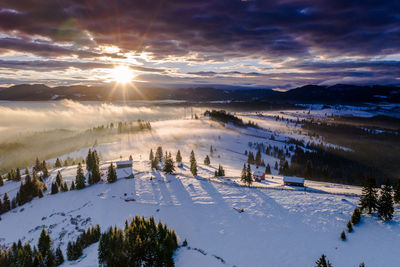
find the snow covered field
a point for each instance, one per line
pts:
(280, 225)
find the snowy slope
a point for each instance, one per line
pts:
(280, 226)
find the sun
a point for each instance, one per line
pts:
(122, 74)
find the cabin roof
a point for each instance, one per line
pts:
(293, 179)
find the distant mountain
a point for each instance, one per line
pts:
(336, 94)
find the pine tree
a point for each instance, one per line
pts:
(80, 178)
(268, 169)
(178, 157)
(54, 188)
(193, 163)
(396, 189)
(72, 186)
(276, 165)
(130, 158)
(323, 262)
(96, 176)
(1, 181)
(37, 166)
(151, 156)
(59, 257)
(250, 159)
(249, 176)
(112, 174)
(44, 243)
(64, 187)
(356, 217)
(169, 165)
(385, 202)
(220, 172)
(6, 203)
(159, 154)
(59, 179)
(243, 177)
(44, 170)
(207, 160)
(58, 163)
(18, 175)
(343, 236)
(349, 227)
(258, 158)
(211, 151)
(369, 196)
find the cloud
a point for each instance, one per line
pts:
(299, 34)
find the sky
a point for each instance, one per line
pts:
(278, 44)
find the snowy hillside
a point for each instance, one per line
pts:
(279, 226)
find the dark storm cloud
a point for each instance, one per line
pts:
(269, 28)
(215, 30)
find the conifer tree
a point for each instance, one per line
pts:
(385, 202)
(250, 159)
(396, 189)
(349, 227)
(154, 164)
(258, 158)
(151, 156)
(1, 181)
(59, 179)
(211, 151)
(112, 174)
(220, 172)
(369, 196)
(40, 193)
(169, 165)
(18, 175)
(64, 187)
(193, 163)
(268, 169)
(26, 171)
(130, 158)
(323, 262)
(44, 170)
(249, 176)
(59, 257)
(343, 236)
(80, 178)
(72, 186)
(159, 154)
(37, 166)
(178, 156)
(58, 163)
(54, 188)
(6, 203)
(356, 217)
(276, 165)
(207, 160)
(243, 177)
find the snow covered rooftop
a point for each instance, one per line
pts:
(258, 173)
(124, 163)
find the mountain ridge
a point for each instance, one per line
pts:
(339, 93)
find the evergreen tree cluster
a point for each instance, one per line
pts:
(220, 172)
(59, 185)
(92, 166)
(90, 236)
(12, 175)
(31, 188)
(382, 204)
(246, 177)
(141, 243)
(24, 255)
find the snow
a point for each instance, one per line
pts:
(223, 221)
(293, 179)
